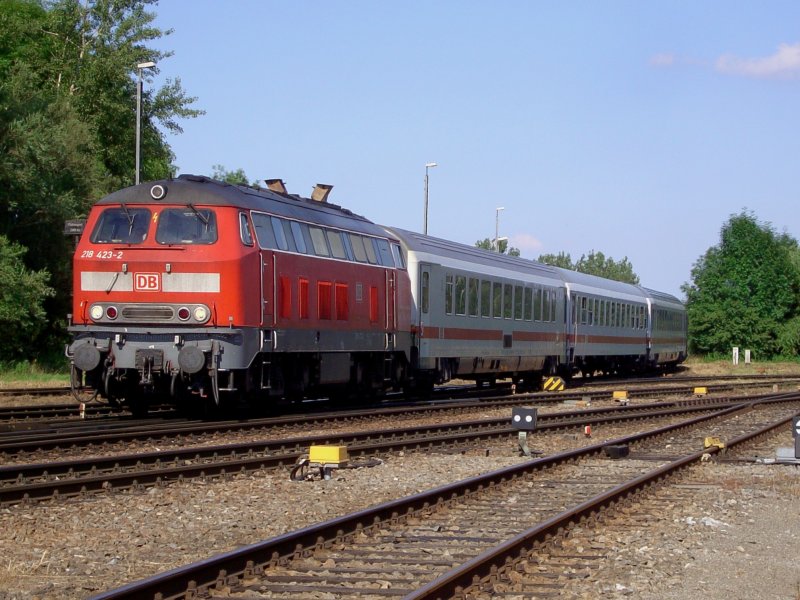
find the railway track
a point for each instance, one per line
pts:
(665, 385)
(490, 535)
(34, 391)
(80, 435)
(21, 483)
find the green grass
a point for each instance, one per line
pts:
(23, 373)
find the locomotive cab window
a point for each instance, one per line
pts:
(187, 226)
(121, 226)
(244, 230)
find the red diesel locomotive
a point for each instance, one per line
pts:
(193, 289)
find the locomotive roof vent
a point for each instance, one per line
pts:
(276, 185)
(321, 192)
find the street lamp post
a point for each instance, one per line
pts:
(497, 227)
(429, 165)
(139, 67)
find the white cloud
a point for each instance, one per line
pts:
(784, 64)
(525, 242)
(662, 60)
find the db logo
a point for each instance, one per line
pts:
(146, 282)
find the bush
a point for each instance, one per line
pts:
(22, 296)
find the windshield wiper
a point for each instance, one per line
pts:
(200, 215)
(129, 216)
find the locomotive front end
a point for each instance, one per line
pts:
(150, 316)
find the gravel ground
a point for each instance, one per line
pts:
(737, 539)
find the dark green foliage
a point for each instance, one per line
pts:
(744, 292)
(22, 295)
(48, 173)
(595, 264)
(488, 244)
(67, 123)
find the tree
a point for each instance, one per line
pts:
(488, 244)
(222, 174)
(22, 295)
(744, 291)
(562, 260)
(99, 43)
(48, 171)
(67, 119)
(596, 263)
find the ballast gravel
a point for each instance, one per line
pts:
(738, 538)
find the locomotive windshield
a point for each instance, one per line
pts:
(121, 225)
(189, 225)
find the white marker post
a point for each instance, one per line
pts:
(736, 355)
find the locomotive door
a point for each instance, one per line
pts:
(267, 289)
(391, 298)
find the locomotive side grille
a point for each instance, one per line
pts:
(148, 313)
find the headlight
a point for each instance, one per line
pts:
(200, 313)
(96, 312)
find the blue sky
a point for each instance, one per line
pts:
(631, 128)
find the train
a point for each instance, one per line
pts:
(202, 294)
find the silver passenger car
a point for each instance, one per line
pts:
(482, 315)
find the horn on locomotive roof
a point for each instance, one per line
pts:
(321, 192)
(276, 185)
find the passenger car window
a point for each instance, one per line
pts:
(461, 295)
(486, 298)
(121, 225)
(474, 297)
(528, 304)
(448, 294)
(188, 226)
